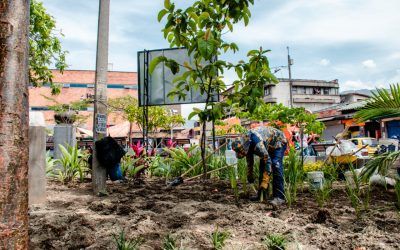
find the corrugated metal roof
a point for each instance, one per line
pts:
(354, 105)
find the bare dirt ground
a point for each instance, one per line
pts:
(73, 218)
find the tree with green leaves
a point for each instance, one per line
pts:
(44, 47)
(200, 28)
(158, 117)
(383, 104)
(279, 115)
(68, 113)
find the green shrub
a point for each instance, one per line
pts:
(122, 243)
(218, 238)
(275, 242)
(50, 163)
(169, 243)
(73, 164)
(293, 175)
(323, 194)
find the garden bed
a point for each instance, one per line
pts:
(73, 218)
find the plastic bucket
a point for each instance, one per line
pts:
(316, 179)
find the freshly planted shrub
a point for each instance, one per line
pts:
(242, 174)
(169, 243)
(73, 164)
(275, 242)
(293, 176)
(323, 194)
(218, 238)
(122, 243)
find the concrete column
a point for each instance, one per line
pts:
(37, 165)
(64, 134)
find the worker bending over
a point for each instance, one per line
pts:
(269, 144)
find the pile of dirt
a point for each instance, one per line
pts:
(73, 218)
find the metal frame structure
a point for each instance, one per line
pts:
(146, 96)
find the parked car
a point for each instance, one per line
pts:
(371, 142)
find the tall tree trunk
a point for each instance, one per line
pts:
(130, 134)
(14, 124)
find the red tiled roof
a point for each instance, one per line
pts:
(67, 95)
(88, 77)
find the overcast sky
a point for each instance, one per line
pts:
(355, 41)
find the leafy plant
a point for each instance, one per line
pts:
(72, 108)
(275, 242)
(158, 117)
(380, 163)
(218, 238)
(169, 243)
(397, 191)
(330, 172)
(242, 174)
(122, 243)
(44, 47)
(73, 164)
(353, 191)
(323, 194)
(354, 197)
(200, 28)
(50, 163)
(126, 162)
(293, 175)
(181, 160)
(313, 166)
(383, 104)
(218, 161)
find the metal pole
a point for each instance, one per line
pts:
(301, 145)
(146, 101)
(99, 175)
(290, 62)
(213, 135)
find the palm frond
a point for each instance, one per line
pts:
(379, 164)
(383, 103)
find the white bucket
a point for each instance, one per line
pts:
(316, 179)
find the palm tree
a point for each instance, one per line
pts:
(383, 104)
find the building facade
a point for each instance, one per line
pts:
(78, 85)
(309, 94)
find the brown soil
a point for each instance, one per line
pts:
(73, 218)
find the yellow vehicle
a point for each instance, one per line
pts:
(362, 141)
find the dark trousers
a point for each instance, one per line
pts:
(276, 161)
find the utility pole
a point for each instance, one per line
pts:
(14, 124)
(99, 175)
(290, 63)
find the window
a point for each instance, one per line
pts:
(300, 90)
(326, 91)
(309, 91)
(294, 90)
(370, 142)
(355, 142)
(267, 90)
(316, 91)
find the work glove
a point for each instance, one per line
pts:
(265, 181)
